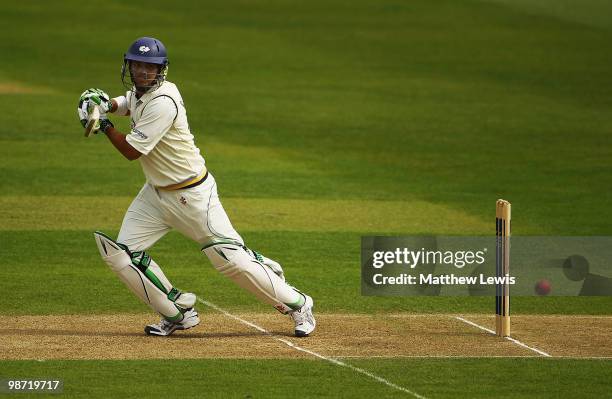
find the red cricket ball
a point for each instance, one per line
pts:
(543, 287)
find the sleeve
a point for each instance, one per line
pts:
(157, 118)
(122, 105)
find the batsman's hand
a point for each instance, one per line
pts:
(83, 110)
(85, 107)
(98, 97)
(105, 124)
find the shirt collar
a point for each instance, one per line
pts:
(149, 93)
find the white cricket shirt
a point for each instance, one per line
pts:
(161, 133)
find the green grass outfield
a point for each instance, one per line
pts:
(321, 122)
(448, 378)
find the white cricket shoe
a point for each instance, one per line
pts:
(165, 327)
(304, 320)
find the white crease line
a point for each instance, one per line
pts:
(536, 350)
(315, 354)
(471, 357)
(551, 316)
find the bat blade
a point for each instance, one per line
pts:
(93, 122)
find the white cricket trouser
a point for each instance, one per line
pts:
(198, 214)
(195, 212)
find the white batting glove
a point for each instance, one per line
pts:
(98, 97)
(84, 108)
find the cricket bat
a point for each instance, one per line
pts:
(93, 121)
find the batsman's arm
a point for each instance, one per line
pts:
(121, 144)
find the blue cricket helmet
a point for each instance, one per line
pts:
(147, 49)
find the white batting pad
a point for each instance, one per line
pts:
(234, 262)
(137, 280)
